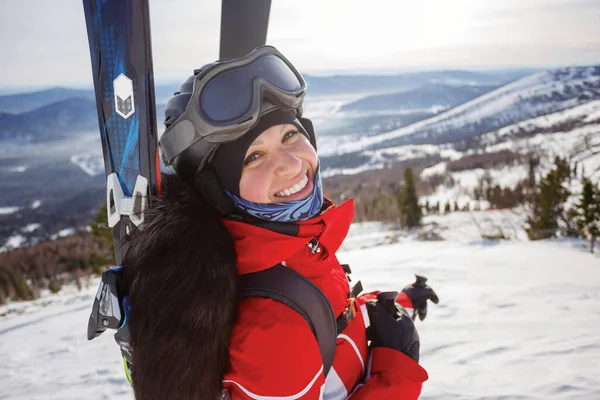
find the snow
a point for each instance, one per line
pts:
(585, 111)
(13, 242)
(416, 151)
(352, 171)
(516, 319)
(19, 168)
(45, 353)
(30, 228)
(571, 144)
(36, 204)
(465, 182)
(515, 101)
(543, 137)
(63, 233)
(8, 210)
(437, 169)
(90, 163)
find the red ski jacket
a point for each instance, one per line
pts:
(273, 352)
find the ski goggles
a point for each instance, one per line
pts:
(227, 100)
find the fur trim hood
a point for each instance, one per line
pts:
(181, 278)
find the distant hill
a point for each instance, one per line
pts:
(424, 97)
(55, 120)
(25, 102)
(50, 121)
(539, 94)
(29, 101)
(343, 84)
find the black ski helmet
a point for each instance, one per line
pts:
(223, 101)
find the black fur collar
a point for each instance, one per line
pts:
(182, 281)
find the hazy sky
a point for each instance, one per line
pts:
(44, 42)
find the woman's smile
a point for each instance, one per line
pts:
(297, 191)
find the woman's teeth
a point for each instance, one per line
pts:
(294, 189)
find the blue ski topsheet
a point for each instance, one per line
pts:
(118, 32)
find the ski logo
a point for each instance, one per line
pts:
(123, 89)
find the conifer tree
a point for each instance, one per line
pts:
(548, 203)
(447, 208)
(533, 162)
(408, 204)
(456, 206)
(587, 212)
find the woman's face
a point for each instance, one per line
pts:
(279, 166)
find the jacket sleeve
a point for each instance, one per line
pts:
(392, 375)
(273, 354)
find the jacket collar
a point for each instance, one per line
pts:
(261, 245)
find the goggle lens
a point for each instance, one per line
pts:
(229, 95)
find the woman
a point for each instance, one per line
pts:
(247, 196)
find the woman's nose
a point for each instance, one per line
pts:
(287, 163)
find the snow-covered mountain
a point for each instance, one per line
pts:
(50, 122)
(565, 133)
(428, 96)
(66, 174)
(387, 83)
(539, 94)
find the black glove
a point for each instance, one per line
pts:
(391, 326)
(419, 293)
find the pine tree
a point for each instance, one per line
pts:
(408, 202)
(447, 208)
(548, 203)
(456, 206)
(587, 212)
(533, 162)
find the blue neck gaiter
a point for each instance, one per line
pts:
(292, 211)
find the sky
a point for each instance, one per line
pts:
(44, 43)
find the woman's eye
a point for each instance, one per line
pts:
(289, 135)
(251, 158)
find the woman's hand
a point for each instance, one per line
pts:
(391, 326)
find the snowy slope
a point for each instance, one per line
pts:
(517, 320)
(532, 96)
(565, 133)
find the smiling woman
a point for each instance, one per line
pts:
(283, 160)
(272, 170)
(246, 199)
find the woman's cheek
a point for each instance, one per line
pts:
(254, 186)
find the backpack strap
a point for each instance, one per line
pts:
(297, 292)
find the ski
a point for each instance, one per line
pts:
(121, 55)
(244, 26)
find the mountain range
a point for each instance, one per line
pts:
(538, 94)
(51, 173)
